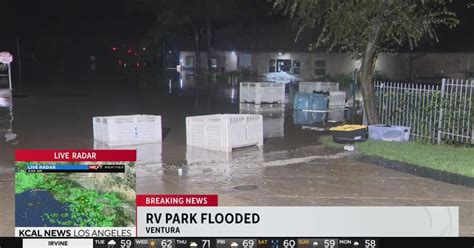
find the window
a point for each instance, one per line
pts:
(272, 65)
(189, 61)
(296, 67)
(319, 68)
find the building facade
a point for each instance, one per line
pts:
(313, 66)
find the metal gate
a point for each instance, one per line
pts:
(435, 114)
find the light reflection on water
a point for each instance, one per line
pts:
(6, 116)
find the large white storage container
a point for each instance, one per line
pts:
(262, 92)
(127, 129)
(389, 132)
(148, 153)
(337, 99)
(225, 131)
(310, 87)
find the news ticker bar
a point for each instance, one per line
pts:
(75, 168)
(267, 242)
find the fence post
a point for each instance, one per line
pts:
(443, 88)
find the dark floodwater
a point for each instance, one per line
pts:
(60, 116)
(32, 204)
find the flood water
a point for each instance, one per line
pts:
(282, 173)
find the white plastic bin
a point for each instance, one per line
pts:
(224, 132)
(389, 133)
(127, 129)
(337, 99)
(262, 92)
(310, 87)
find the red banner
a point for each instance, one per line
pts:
(75, 155)
(177, 200)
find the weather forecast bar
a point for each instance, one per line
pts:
(75, 155)
(77, 168)
(249, 242)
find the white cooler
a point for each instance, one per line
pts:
(389, 133)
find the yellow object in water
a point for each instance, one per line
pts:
(348, 128)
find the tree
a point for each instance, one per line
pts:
(367, 28)
(174, 20)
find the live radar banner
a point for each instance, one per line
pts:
(154, 219)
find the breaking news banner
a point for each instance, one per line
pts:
(184, 216)
(75, 193)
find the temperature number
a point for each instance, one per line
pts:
(331, 243)
(166, 243)
(248, 243)
(125, 243)
(370, 243)
(289, 243)
(206, 243)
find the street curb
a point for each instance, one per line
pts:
(420, 171)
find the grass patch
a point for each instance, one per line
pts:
(458, 160)
(327, 141)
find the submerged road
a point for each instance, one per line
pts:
(319, 182)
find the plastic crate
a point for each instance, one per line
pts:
(306, 118)
(148, 153)
(337, 99)
(310, 101)
(311, 87)
(225, 131)
(262, 92)
(127, 129)
(389, 133)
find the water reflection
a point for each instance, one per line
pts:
(6, 116)
(180, 83)
(147, 154)
(273, 117)
(215, 86)
(200, 160)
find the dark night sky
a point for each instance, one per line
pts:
(30, 19)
